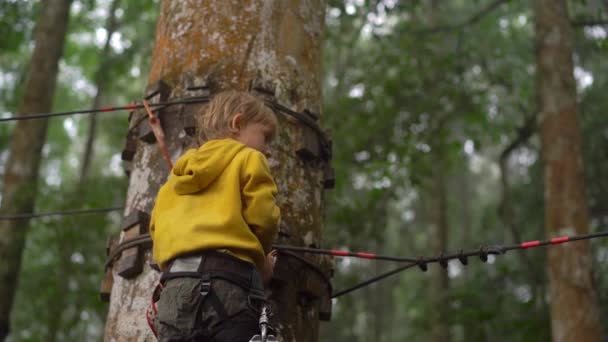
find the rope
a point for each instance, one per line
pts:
(442, 259)
(421, 262)
(60, 213)
(279, 108)
(145, 240)
(372, 280)
(312, 266)
(132, 106)
(340, 253)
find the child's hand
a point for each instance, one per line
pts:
(271, 259)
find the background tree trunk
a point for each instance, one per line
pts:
(439, 282)
(229, 45)
(574, 312)
(101, 80)
(21, 175)
(61, 321)
(437, 201)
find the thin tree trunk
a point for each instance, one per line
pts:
(20, 178)
(101, 80)
(507, 214)
(378, 300)
(62, 325)
(439, 282)
(228, 45)
(379, 303)
(464, 190)
(56, 305)
(574, 311)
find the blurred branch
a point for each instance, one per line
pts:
(505, 211)
(599, 210)
(344, 59)
(468, 22)
(497, 79)
(523, 134)
(589, 22)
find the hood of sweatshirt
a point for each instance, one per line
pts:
(196, 169)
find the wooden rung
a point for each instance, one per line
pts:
(108, 280)
(106, 286)
(130, 263)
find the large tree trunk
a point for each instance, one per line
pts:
(230, 45)
(28, 138)
(574, 311)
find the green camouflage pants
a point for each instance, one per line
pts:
(185, 315)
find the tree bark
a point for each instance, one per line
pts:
(229, 45)
(574, 311)
(21, 175)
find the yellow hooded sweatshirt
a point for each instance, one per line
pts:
(220, 197)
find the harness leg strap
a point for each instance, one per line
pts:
(207, 293)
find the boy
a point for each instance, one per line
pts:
(213, 225)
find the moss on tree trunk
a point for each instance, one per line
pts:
(230, 44)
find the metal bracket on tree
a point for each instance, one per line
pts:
(315, 146)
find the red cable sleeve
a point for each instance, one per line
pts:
(151, 323)
(366, 255)
(530, 244)
(561, 239)
(340, 253)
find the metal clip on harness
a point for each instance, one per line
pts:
(264, 327)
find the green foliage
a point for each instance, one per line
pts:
(396, 95)
(16, 18)
(62, 268)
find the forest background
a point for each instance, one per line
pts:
(402, 80)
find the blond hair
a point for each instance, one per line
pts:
(215, 118)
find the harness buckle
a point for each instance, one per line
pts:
(205, 284)
(255, 302)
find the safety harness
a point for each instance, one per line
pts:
(215, 265)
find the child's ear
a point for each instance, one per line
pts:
(235, 123)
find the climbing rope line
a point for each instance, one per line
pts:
(442, 259)
(421, 262)
(142, 240)
(372, 280)
(132, 106)
(310, 265)
(59, 213)
(302, 117)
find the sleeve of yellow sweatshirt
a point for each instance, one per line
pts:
(259, 208)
